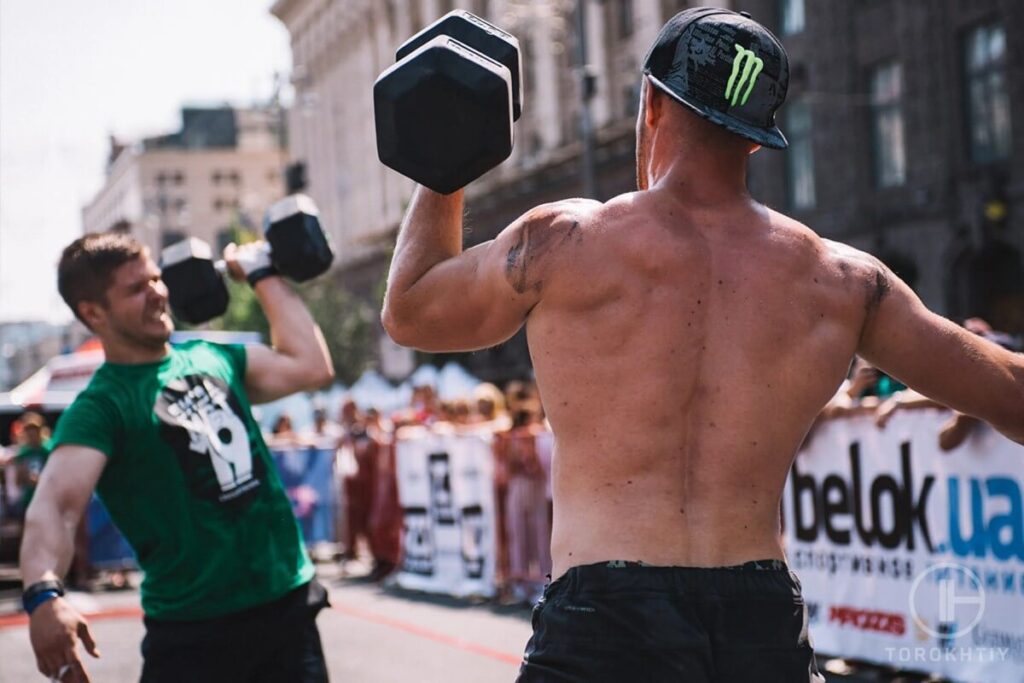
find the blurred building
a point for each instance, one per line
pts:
(26, 346)
(906, 129)
(221, 169)
(899, 119)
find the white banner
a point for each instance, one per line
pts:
(908, 556)
(446, 489)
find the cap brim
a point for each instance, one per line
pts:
(768, 137)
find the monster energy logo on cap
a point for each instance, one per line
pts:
(751, 66)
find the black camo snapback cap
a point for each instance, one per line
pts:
(725, 67)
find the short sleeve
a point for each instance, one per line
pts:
(236, 355)
(89, 421)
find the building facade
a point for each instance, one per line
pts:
(222, 169)
(900, 117)
(906, 129)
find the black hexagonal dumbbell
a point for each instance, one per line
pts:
(444, 112)
(298, 249)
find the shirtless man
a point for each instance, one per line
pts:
(709, 330)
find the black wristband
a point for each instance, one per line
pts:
(32, 592)
(260, 273)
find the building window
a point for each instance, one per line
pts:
(800, 156)
(887, 125)
(625, 18)
(792, 17)
(179, 178)
(235, 178)
(216, 177)
(988, 99)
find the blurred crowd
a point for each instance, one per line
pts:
(869, 391)
(370, 519)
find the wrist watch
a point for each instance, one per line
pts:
(40, 592)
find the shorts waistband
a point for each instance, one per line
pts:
(749, 578)
(752, 565)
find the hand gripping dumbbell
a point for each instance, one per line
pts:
(295, 247)
(444, 111)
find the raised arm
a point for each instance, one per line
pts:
(940, 359)
(47, 548)
(298, 359)
(440, 298)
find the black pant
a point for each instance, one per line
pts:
(620, 621)
(273, 643)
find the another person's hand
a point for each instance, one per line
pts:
(886, 410)
(956, 430)
(54, 630)
(864, 377)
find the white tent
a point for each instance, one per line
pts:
(425, 376)
(371, 390)
(455, 382)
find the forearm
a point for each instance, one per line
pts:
(430, 234)
(48, 543)
(293, 332)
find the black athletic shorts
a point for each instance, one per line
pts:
(273, 643)
(623, 621)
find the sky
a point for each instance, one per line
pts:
(71, 74)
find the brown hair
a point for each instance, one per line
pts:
(88, 264)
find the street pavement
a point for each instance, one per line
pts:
(371, 634)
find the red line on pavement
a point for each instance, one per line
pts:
(430, 634)
(21, 619)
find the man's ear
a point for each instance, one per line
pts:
(91, 313)
(652, 102)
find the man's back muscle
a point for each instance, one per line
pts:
(682, 355)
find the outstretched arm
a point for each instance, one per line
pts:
(441, 298)
(940, 359)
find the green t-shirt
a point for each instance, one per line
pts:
(32, 457)
(190, 482)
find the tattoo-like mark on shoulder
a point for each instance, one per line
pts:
(532, 243)
(878, 290)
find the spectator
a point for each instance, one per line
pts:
(528, 523)
(385, 521)
(490, 407)
(30, 458)
(360, 487)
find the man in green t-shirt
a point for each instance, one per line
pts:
(166, 437)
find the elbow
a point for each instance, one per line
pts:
(324, 376)
(318, 375)
(397, 324)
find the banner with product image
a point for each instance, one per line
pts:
(909, 556)
(446, 490)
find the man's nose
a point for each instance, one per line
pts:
(158, 290)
